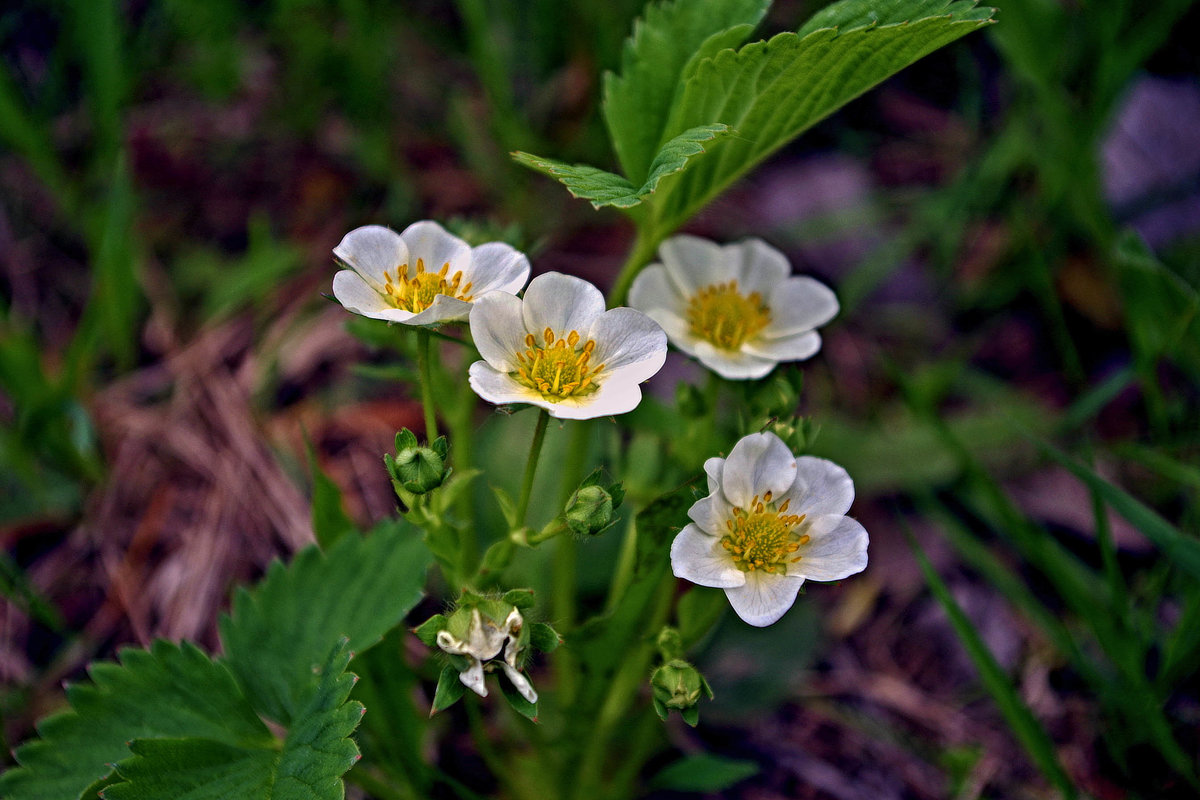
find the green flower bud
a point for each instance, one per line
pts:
(590, 510)
(679, 685)
(417, 469)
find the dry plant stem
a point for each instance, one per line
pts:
(535, 450)
(423, 368)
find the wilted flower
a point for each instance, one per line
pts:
(481, 640)
(771, 521)
(422, 276)
(560, 350)
(733, 307)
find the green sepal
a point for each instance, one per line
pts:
(428, 630)
(405, 439)
(543, 638)
(518, 702)
(507, 507)
(449, 690)
(520, 598)
(691, 715)
(660, 708)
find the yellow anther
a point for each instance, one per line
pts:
(767, 497)
(417, 292)
(760, 536)
(548, 336)
(573, 338)
(723, 316)
(558, 365)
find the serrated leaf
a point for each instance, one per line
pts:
(607, 189)
(281, 631)
(309, 766)
(167, 691)
(772, 91)
(668, 40)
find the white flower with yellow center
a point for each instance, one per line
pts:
(772, 521)
(422, 276)
(560, 350)
(734, 308)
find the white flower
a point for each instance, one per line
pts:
(771, 521)
(560, 350)
(483, 643)
(423, 276)
(734, 307)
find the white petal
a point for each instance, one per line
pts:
(652, 289)
(764, 598)
(699, 558)
(799, 305)
(838, 549)
(498, 329)
(521, 683)
(795, 347)
(677, 330)
(431, 243)
(757, 266)
(711, 513)
(473, 679)
(626, 338)
(497, 267)
(372, 250)
(713, 467)
(499, 387)
(442, 309)
(759, 463)
(618, 394)
(693, 263)
(562, 303)
(447, 641)
(734, 365)
(821, 487)
(356, 294)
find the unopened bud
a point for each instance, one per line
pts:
(417, 469)
(677, 684)
(590, 510)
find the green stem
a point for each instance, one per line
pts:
(426, 385)
(563, 589)
(460, 439)
(535, 450)
(644, 247)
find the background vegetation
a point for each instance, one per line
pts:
(1013, 226)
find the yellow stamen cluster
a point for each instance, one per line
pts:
(416, 292)
(764, 537)
(722, 315)
(558, 367)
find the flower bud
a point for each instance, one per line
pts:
(678, 685)
(415, 468)
(590, 510)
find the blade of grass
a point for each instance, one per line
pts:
(1020, 719)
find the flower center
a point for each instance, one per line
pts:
(416, 292)
(722, 315)
(558, 367)
(763, 536)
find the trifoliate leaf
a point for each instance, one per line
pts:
(770, 92)
(309, 765)
(281, 631)
(669, 39)
(607, 189)
(168, 692)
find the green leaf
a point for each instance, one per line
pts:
(1020, 719)
(329, 518)
(309, 765)
(449, 690)
(168, 692)
(282, 629)
(607, 189)
(1180, 549)
(703, 773)
(666, 43)
(770, 92)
